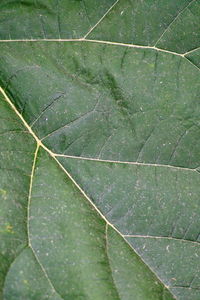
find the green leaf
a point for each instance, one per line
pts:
(100, 139)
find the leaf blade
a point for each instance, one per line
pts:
(131, 114)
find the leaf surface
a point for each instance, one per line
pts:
(99, 115)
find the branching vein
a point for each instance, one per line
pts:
(174, 20)
(101, 19)
(30, 192)
(126, 162)
(161, 237)
(28, 223)
(107, 254)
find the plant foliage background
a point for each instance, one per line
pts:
(100, 139)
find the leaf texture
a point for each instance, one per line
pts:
(99, 114)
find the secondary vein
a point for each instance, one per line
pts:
(28, 222)
(136, 163)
